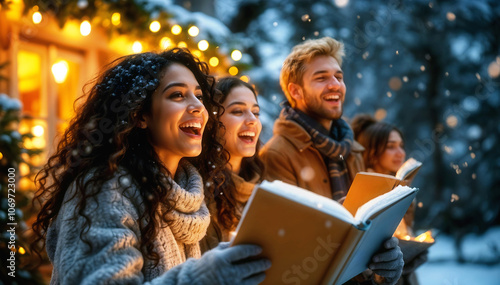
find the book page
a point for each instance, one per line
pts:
(309, 199)
(407, 168)
(366, 186)
(375, 205)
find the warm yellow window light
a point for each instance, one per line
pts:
(116, 19)
(203, 45)
(165, 42)
(154, 26)
(60, 71)
(37, 18)
(37, 131)
(176, 29)
(182, 44)
(233, 70)
(236, 55)
(193, 31)
(85, 28)
(213, 61)
(137, 47)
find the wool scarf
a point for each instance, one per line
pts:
(190, 218)
(334, 145)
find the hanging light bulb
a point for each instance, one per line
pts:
(85, 28)
(60, 71)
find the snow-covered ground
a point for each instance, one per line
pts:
(443, 269)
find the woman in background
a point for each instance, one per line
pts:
(384, 153)
(240, 133)
(121, 204)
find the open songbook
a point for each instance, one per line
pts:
(368, 185)
(408, 170)
(311, 239)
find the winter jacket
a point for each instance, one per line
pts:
(291, 157)
(217, 233)
(115, 255)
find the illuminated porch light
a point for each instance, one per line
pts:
(60, 71)
(236, 55)
(85, 28)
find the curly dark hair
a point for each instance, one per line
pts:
(222, 190)
(104, 136)
(373, 136)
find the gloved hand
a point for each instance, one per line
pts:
(412, 265)
(230, 265)
(388, 263)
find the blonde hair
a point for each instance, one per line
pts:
(294, 66)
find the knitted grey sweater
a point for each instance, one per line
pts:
(115, 256)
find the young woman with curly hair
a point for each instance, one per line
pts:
(120, 201)
(227, 196)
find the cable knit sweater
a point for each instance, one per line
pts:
(116, 256)
(217, 233)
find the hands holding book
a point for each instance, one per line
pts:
(388, 264)
(231, 265)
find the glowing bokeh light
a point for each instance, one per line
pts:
(154, 26)
(236, 55)
(85, 28)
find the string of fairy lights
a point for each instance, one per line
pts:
(161, 34)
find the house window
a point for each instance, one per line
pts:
(49, 83)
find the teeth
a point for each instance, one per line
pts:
(191, 125)
(332, 97)
(247, 134)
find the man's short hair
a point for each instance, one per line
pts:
(294, 66)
